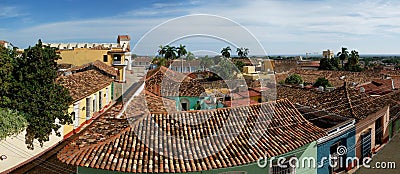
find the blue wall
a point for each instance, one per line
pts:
(348, 139)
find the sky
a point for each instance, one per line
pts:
(273, 26)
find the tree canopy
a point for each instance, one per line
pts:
(322, 82)
(242, 52)
(294, 79)
(35, 93)
(11, 123)
(226, 52)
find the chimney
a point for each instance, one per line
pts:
(362, 90)
(392, 84)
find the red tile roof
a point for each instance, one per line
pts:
(163, 143)
(396, 81)
(123, 38)
(378, 86)
(83, 84)
(343, 101)
(165, 82)
(109, 70)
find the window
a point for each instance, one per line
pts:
(185, 104)
(105, 58)
(87, 108)
(284, 168)
(333, 151)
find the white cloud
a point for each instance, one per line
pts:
(281, 26)
(9, 12)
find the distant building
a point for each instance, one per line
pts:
(6, 44)
(328, 54)
(186, 66)
(116, 55)
(141, 61)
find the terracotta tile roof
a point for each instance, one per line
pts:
(163, 143)
(321, 118)
(165, 82)
(96, 64)
(83, 84)
(295, 95)
(343, 101)
(310, 76)
(396, 81)
(64, 66)
(123, 38)
(378, 86)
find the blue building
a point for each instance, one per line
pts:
(339, 143)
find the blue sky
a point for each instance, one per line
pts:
(282, 27)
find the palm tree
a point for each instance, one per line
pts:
(181, 50)
(190, 56)
(161, 51)
(170, 52)
(245, 52)
(239, 52)
(226, 52)
(242, 52)
(343, 55)
(354, 58)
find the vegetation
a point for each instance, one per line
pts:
(225, 69)
(353, 63)
(206, 62)
(322, 82)
(242, 52)
(343, 55)
(11, 123)
(31, 89)
(226, 52)
(294, 79)
(329, 64)
(239, 65)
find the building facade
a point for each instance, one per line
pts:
(116, 55)
(92, 92)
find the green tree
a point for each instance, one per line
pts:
(343, 55)
(294, 79)
(11, 123)
(242, 52)
(161, 51)
(322, 82)
(36, 93)
(6, 77)
(190, 56)
(159, 61)
(354, 58)
(239, 65)
(170, 52)
(206, 62)
(226, 52)
(181, 51)
(325, 64)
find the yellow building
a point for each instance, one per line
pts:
(116, 55)
(92, 92)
